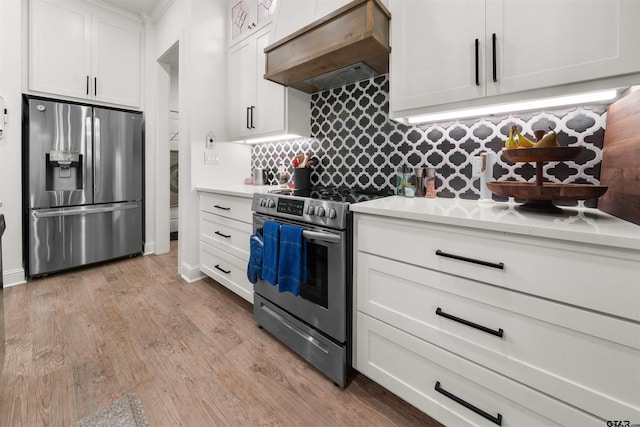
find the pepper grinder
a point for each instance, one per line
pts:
(420, 181)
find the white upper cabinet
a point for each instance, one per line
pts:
(83, 52)
(450, 51)
(248, 16)
(542, 43)
(257, 107)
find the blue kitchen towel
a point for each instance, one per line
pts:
(271, 236)
(256, 250)
(292, 267)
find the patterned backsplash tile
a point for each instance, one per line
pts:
(357, 144)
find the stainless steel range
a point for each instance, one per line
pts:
(316, 324)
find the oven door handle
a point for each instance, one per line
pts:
(314, 235)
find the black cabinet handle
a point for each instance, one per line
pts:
(95, 86)
(221, 207)
(495, 65)
(252, 109)
(223, 235)
(87, 84)
(477, 63)
(499, 265)
(495, 420)
(497, 333)
(222, 269)
(248, 125)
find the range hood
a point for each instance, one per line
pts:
(348, 45)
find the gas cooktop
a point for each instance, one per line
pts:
(327, 206)
(346, 194)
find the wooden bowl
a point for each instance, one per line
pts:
(548, 191)
(549, 154)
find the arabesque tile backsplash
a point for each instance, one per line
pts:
(358, 145)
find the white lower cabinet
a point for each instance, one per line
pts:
(438, 382)
(225, 229)
(536, 347)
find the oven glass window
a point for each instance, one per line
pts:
(316, 288)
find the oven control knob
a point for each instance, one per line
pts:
(310, 210)
(271, 203)
(320, 211)
(332, 213)
(262, 201)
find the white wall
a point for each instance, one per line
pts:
(11, 40)
(199, 26)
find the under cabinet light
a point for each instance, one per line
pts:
(272, 138)
(511, 107)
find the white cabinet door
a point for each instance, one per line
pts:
(269, 112)
(116, 61)
(522, 45)
(433, 56)
(59, 48)
(258, 107)
(83, 52)
(543, 43)
(242, 87)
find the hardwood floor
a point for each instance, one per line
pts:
(77, 341)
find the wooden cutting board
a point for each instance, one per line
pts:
(620, 169)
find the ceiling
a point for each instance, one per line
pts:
(138, 7)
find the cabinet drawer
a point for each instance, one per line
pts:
(238, 208)
(228, 270)
(411, 368)
(227, 234)
(520, 336)
(576, 274)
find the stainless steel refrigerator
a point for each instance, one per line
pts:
(83, 184)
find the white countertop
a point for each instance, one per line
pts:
(240, 190)
(579, 224)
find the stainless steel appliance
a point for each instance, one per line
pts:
(83, 184)
(317, 323)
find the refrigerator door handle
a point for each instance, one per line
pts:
(84, 211)
(96, 154)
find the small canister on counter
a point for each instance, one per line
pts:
(430, 183)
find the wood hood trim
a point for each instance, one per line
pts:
(357, 32)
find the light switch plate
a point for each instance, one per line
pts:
(211, 157)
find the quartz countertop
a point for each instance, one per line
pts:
(578, 224)
(240, 190)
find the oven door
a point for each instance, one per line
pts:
(322, 300)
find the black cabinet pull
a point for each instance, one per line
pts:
(221, 207)
(87, 84)
(223, 235)
(495, 64)
(222, 269)
(252, 109)
(248, 126)
(495, 420)
(477, 63)
(95, 86)
(499, 265)
(497, 333)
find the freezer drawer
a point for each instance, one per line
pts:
(70, 237)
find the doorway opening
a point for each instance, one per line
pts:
(171, 67)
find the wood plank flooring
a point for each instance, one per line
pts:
(77, 341)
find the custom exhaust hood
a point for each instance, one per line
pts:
(348, 45)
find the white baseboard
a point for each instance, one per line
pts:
(149, 248)
(13, 277)
(191, 273)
